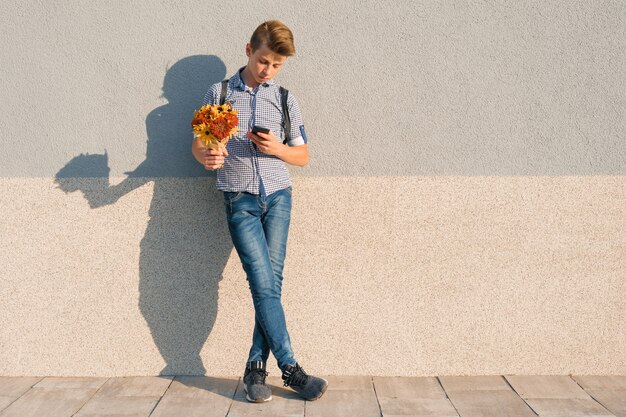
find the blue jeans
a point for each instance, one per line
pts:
(259, 227)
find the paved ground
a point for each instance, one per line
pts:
(353, 396)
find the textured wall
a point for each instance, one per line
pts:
(464, 210)
(387, 88)
(389, 275)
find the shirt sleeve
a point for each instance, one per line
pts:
(297, 135)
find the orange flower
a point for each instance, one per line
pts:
(221, 130)
(215, 124)
(231, 120)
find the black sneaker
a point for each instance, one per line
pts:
(308, 386)
(254, 383)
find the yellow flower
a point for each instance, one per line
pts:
(214, 125)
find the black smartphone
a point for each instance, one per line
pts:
(257, 129)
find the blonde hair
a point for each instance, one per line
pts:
(276, 35)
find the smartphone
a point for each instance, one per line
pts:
(257, 129)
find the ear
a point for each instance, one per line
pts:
(248, 50)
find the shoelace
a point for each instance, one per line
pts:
(297, 377)
(257, 376)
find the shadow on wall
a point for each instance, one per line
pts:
(186, 244)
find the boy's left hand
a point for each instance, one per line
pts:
(266, 142)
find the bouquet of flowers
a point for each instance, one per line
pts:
(215, 125)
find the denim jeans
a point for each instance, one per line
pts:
(259, 228)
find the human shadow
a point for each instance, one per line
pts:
(223, 387)
(186, 243)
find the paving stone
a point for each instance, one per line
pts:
(489, 403)
(202, 387)
(546, 386)
(173, 406)
(567, 407)
(408, 388)
(612, 400)
(136, 386)
(344, 403)
(354, 396)
(349, 382)
(49, 402)
(14, 386)
(71, 382)
(422, 407)
(5, 401)
(285, 402)
(474, 382)
(601, 382)
(118, 406)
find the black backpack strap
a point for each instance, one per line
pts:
(287, 119)
(224, 89)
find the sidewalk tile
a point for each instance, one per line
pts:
(136, 386)
(118, 406)
(422, 407)
(567, 407)
(175, 406)
(71, 382)
(408, 387)
(49, 402)
(285, 402)
(474, 383)
(14, 386)
(202, 387)
(6, 401)
(601, 382)
(489, 403)
(344, 403)
(546, 386)
(348, 382)
(612, 400)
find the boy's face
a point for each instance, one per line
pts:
(264, 64)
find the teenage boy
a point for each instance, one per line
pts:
(257, 197)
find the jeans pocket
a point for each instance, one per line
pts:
(289, 190)
(230, 197)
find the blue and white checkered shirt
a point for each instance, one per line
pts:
(246, 168)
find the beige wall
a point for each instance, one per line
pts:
(429, 275)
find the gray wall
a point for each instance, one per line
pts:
(387, 88)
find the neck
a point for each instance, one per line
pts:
(247, 78)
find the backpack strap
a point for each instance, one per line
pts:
(284, 93)
(223, 93)
(287, 119)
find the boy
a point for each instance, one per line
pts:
(257, 197)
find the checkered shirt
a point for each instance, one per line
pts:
(246, 168)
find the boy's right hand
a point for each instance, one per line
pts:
(214, 159)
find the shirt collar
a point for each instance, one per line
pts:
(238, 81)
